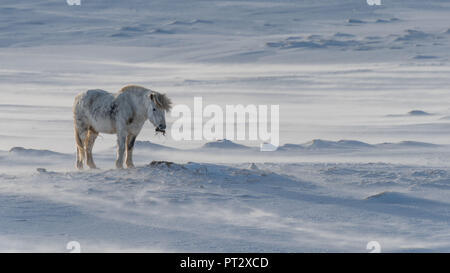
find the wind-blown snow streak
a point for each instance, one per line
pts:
(208, 207)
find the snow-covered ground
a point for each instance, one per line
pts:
(364, 126)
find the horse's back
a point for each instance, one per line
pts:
(92, 99)
(93, 107)
(92, 95)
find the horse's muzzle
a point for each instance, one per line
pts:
(160, 130)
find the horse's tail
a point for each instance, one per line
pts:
(79, 139)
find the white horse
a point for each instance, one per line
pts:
(123, 113)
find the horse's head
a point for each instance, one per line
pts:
(159, 104)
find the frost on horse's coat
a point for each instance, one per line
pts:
(123, 113)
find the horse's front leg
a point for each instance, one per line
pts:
(121, 139)
(130, 145)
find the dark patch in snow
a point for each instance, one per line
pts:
(225, 144)
(33, 152)
(343, 35)
(132, 29)
(397, 198)
(191, 22)
(120, 35)
(320, 144)
(316, 43)
(412, 144)
(418, 113)
(424, 57)
(412, 35)
(373, 37)
(161, 31)
(167, 164)
(341, 144)
(355, 21)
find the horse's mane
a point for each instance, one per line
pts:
(161, 100)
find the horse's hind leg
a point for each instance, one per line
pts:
(130, 145)
(121, 143)
(80, 137)
(90, 140)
